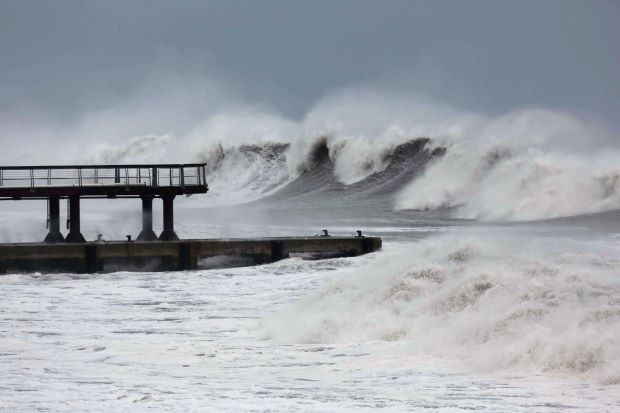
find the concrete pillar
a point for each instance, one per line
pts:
(54, 234)
(147, 233)
(168, 233)
(74, 234)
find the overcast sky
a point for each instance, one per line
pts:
(63, 57)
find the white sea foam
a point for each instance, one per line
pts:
(240, 174)
(495, 302)
(138, 342)
(525, 165)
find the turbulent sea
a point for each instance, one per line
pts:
(497, 290)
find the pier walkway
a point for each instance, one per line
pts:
(53, 183)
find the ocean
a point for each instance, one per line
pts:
(497, 289)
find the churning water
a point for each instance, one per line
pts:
(467, 307)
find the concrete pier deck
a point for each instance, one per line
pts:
(92, 257)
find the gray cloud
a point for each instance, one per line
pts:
(61, 58)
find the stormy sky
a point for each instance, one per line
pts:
(61, 58)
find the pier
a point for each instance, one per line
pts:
(92, 257)
(149, 252)
(74, 183)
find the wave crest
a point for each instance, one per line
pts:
(242, 173)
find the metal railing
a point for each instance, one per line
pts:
(162, 175)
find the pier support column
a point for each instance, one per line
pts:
(74, 234)
(147, 233)
(54, 235)
(168, 234)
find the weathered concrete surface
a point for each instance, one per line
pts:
(168, 255)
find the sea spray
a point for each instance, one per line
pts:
(497, 303)
(526, 164)
(241, 174)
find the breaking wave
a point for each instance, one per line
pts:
(525, 165)
(246, 172)
(533, 165)
(547, 308)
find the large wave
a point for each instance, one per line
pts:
(243, 173)
(550, 307)
(402, 152)
(527, 165)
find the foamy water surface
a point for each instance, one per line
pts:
(229, 340)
